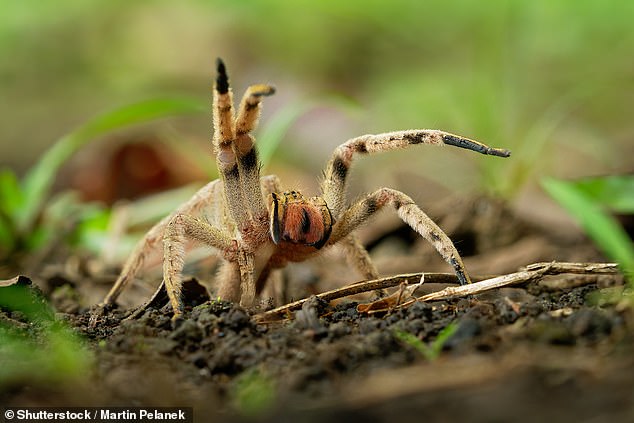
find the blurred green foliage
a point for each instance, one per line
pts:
(30, 219)
(432, 350)
(592, 202)
(34, 345)
(253, 393)
(548, 80)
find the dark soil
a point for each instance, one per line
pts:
(535, 352)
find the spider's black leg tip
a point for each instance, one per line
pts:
(460, 274)
(222, 80)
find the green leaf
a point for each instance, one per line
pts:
(615, 192)
(21, 298)
(11, 197)
(47, 350)
(430, 352)
(601, 227)
(271, 135)
(152, 208)
(40, 178)
(253, 393)
(443, 337)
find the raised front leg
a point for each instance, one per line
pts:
(333, 186)
(235, 148)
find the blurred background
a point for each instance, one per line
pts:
(551, 81)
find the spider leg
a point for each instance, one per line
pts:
(334, 184)
(229, 281)
(358, 256)
(239, 264)
(246, 153)
(250, 107)
(236, 153)
(236, 279)
(269, 184)
(180, 227)
(409, 212)
(223, 140)
(246, 263)
(135, 262)
(144, 247)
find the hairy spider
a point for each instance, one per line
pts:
(257, 227)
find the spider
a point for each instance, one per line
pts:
(257, 227)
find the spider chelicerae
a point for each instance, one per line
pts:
(257, 227)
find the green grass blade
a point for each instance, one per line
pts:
(152, 208)
(600, 227)
(11, 197)
(413, 341)
(615, 192)
(40, 178)
(443, 337)
(273, 133)
(11, 200)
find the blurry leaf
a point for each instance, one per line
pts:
(615, 192)
(94, 219)
(44, 349)
(433, 350)
(150, 209)
(11, 196)
(444, 336)
(601, 227)
(271, 135)
(40, 178)
(10, 200)
(21, 297)
(539, 136)
(57, 221)
(92, 230)
(253, 393)
(66, 357)
(38, 237)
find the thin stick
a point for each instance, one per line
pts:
(358, 288)
(555, 268)
(531, 272)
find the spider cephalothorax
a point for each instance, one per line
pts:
(257, 227)
(300, 220)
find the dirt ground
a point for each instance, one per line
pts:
(553, 349)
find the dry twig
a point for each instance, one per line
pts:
(529, 273)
